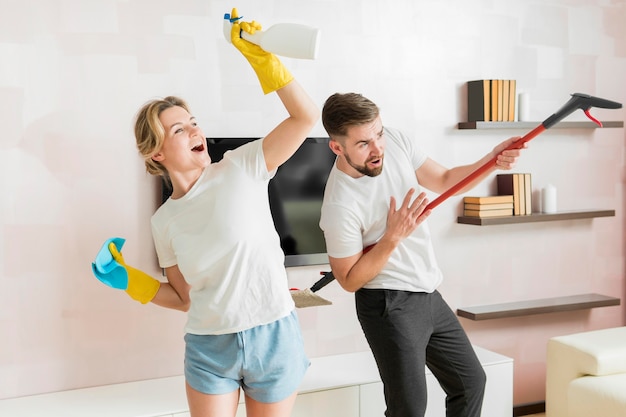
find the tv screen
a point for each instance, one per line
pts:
(295, 196)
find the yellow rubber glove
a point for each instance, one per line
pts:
(269, 70)
(141, 286)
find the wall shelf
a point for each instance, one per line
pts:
(532, 125)
(535, 217)
(540, 306)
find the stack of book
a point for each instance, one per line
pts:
(518, 185)
(491, 100)
(490, 206)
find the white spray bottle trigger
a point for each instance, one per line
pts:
(291, 40)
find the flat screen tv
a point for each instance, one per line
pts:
(295, 195)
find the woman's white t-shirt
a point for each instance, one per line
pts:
(222, 237)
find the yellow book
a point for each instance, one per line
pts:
(491, 206)
(512, 100)
(494, 100)
(488, 213)
(505, 100)
(500, 100)
(522, 193)
(488, 199)
(528, 194)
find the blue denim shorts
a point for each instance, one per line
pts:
(268, 362)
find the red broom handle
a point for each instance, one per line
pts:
(483, 168)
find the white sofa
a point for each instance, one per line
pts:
(586, 374)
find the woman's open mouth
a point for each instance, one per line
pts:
(198, 148)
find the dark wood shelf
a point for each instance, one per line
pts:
(540, 306)
(536, 217)
(532, 125)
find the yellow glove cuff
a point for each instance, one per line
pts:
(141, 286)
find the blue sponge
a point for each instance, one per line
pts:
(107, 269)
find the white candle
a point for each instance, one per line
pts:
(523, 107)
(548, 199)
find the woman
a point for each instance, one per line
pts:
(242, 331)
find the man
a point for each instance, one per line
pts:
(404, 318)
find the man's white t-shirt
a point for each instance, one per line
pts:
(354, 216)
(222, 237)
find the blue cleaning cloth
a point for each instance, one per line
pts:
(107, 269)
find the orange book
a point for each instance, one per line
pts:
(490, 199)
(512, 100)
(505, 100)
(488, 213)
(500, 100)
(522, 193)
(494, 100)
(484, 207)
(528, 193)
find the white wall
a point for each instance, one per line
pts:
(73, 73)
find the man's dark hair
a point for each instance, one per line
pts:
(341, 111)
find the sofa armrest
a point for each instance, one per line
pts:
(598, 352)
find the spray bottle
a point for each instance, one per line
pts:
(291, 40)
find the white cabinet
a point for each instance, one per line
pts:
(498, 401)
(340, 402)
(345, 385)
(372, 402)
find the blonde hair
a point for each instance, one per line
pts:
(150, 134)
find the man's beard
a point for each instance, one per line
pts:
(363, 169)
